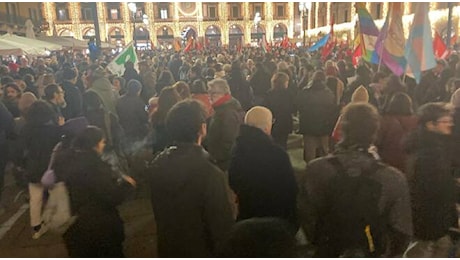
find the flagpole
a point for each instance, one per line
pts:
(405, 73)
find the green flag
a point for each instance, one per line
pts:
(117, 65)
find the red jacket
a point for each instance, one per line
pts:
(393, 131)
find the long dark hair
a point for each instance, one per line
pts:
(167, 99)
(39, 113)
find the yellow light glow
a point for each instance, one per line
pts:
(269, 23)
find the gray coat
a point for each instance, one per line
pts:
(394, 203)
(223, 130)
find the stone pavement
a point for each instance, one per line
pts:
(16, 235)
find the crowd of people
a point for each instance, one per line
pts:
(381, 151)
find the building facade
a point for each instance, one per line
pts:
(318, 18)
(215, 23)
(13, 16)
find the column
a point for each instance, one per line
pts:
(151, 27)
(177, 29)
(386, 8)
(102, 15)
(199, 19)
(223, 14)
(328, 14)
(127, 16)
(353, 22)
(291, 24)
(269, 23)
(407, 7)
(49, 13)
(74, 10)
(317, 5)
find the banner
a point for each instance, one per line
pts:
(117, 65)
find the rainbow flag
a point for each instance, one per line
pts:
(390, 43)
(368, 32)
(419, 48)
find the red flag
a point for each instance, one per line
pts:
(189, 45)
(199, 46)
(439, 46)
(265, 45)
(285, 43)
(239, 46)
(327, 50)
(357, 54)
(177, 46)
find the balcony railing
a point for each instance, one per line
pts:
(239, 18)
(210, 18)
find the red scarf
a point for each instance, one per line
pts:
(222, 100)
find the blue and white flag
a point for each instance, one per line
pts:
(320, 43)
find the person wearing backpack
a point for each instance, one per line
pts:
(350, 204)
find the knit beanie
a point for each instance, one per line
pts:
(133, 87)
(455, 100)
(360, 95)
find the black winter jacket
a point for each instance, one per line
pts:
(281, 104)
(94, 194)
(37, 143)
(262, 177)
(73, 98)
(432, 184)
(318, 109)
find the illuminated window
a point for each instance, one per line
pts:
(62, 12)
(114, 14)
(164, 14)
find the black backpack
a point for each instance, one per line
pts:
(351, 225)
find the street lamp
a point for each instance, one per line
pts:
(133, 8)
(303, 8)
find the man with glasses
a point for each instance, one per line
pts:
(431, 182)
(224, 126)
